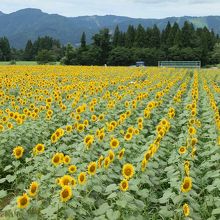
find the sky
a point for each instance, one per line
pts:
(131, 8)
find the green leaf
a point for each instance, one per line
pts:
(2, 180)
(97, 188)
(7, 167)
(111, 188)
(10, 178)
(139, 203)
(216, 211)
(102, 209)
(112, 195)
(3, 193)
(121, 203)
(112, 215)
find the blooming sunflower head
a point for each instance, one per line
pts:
(128, 171)
(92, 168)
(82, 178)
(114, 143)
(182, 150)
(186, 210)
(39, 148)
(18, 152)
(107, 162)
(121, 153)
(66, 159)
(23, 201)
(124, 185)
(33, 189)
(66, 193)
(128, 136)
(186, 184)
(56, 159)
(72, 168)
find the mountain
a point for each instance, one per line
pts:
(30, 23)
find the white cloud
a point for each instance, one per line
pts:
(132, 8)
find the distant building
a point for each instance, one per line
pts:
(140, 63)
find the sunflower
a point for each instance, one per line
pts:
(194, 141)
(69, 128)
(182, 150)
(140, 120)
(54, 138)
(128, 136)
(92, 168)
(73, 182)
(56, 160)
(39, 148)
(186, 184)
(101, 136)
(121, 153)
(128, 171)
(124, 185)
(101, 158)
(33, 189)
(107, 162)
(80, 127)
(114, 143)
(186, 210)
(65, 180)
(88, 140)
(147, 155)
(18, 152)
(66, 193)
(140, 126)
(72, 168)
(9, 125)
(144, 163)
(192, 130)
(130, 130)
(82, 178)
(186, 169)
(101, 117)
(86, 123)
(111, 155)
(23, 201)
(66, 159)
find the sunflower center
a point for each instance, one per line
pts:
(92, 168)
(186, 185)
(128, 172)
(18, 152)
(65, 193)
(33, 189)
(23, 201)
(56, 159)
(81, 178)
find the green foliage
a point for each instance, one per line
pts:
(45, 56)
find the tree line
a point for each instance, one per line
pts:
(124, 48)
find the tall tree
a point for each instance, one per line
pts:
(140, 36)
(28, 52)
(188, 34)
(83, 40)
(155, 37)
(5, 49)
(102, 40)
(116, 37)
(130, 36)
(165, 35)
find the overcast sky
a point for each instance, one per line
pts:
(131, 8)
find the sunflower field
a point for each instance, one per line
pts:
(109, 143)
